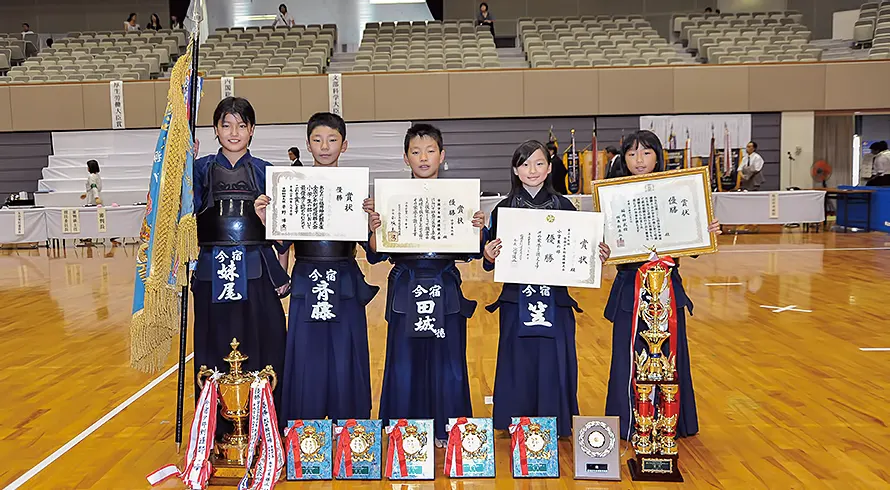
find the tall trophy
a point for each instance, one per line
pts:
(230, 453)
(657, 402)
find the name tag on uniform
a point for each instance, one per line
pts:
(229, 281)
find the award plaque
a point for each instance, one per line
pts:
(409, 454)
(308, 449)
(533, 447)
(357, 449)
(596, 448)
(474, 440)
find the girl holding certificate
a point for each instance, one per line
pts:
(641, 154)
(537, 366)
(425, 375)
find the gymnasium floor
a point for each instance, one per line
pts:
(795, 397)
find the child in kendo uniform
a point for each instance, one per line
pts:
(328, 370)
(642, 153)
(425, 376)
(537, 365)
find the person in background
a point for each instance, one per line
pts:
(293, 154)
(130, 24)
(283, 18)
(93, 194)
(709, 10)
(612, 155)
(49, 43)
(558, 169)
(880, 164)
(484, 17)
(175, 23)
(26, 29)
(154, 23)
(752, 165)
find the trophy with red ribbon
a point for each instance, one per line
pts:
(657, 403)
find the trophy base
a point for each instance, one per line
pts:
(655, 468)
(225, 474)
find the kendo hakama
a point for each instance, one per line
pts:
(328, 369)
(620, 311)
(235, 298)
(537, 365)
(425, 375)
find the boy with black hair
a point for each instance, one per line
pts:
(425, 375)
(327, 368)
(238, 278)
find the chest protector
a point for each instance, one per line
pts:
(229, 217)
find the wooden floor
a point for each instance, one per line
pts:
(786, 399)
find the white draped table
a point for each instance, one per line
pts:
(34, 220)
(769, 207)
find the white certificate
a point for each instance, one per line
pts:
(427, 215)
(665, 211)
(311, 203)
(549, 247)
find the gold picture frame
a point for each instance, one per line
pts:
(705, 176)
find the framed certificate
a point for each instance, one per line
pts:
(549, 247)
(427, 215)
(311, 203)
(665, 211)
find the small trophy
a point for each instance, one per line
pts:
(230, 452)
(595, 445)
(655, 378)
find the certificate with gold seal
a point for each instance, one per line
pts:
(549, 247)
(427, 215)
(666, 211)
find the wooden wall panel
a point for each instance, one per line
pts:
(561, 92)
(636, 91)
(47, 107)
(411, 96)
(857, 86)
(5, 110)
(209, 101)
(358, 97)
(313, 96)
(786, 88)
(97, 97)
(161, 89)
(494, 93)
(275, 100)
(711, 89)
(139, 105)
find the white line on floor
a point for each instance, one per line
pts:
(875, 349)
(763, 250)
(89, 430)
(777, 309)
(723, 284)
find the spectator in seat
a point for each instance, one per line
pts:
(49, 42)
(751, 168)
(26, 29)
(283, 18)
(175, 23)
(708, 10)
(558, 170)
(484, 17)
(293, 154)
(155, 23)
(130, 24)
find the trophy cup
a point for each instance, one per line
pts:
(657, 404)
(230, 452)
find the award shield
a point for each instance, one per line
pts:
(358, 450)
(410, 455)
(308, 447)
(596, 448)
(535, 453)
(470, 450)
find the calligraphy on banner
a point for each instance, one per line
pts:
(335, 93)
(116, 88)
(323, 307)
(19, 222)
(665, 211)
(70, 220)
(774, 205)
(542, 246)
(310, 203)
(227, 87)
(427, 215)
(102, 222)
(230, 283)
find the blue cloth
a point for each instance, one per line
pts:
(537, 367)
(619, 310)
(425, 377)
(328, 369)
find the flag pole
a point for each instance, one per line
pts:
(184, 302)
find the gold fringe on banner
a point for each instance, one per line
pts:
(174, 242)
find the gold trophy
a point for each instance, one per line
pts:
(230, 452)
(654, 440)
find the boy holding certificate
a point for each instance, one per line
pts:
(537, 366)
(425, 376)
(327, 367)
(641, 154)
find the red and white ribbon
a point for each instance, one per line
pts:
(292, 443)
(455, 451)
(263, 434)
(197, 469)
(395, 446)
(343, 453)
(517, 438)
